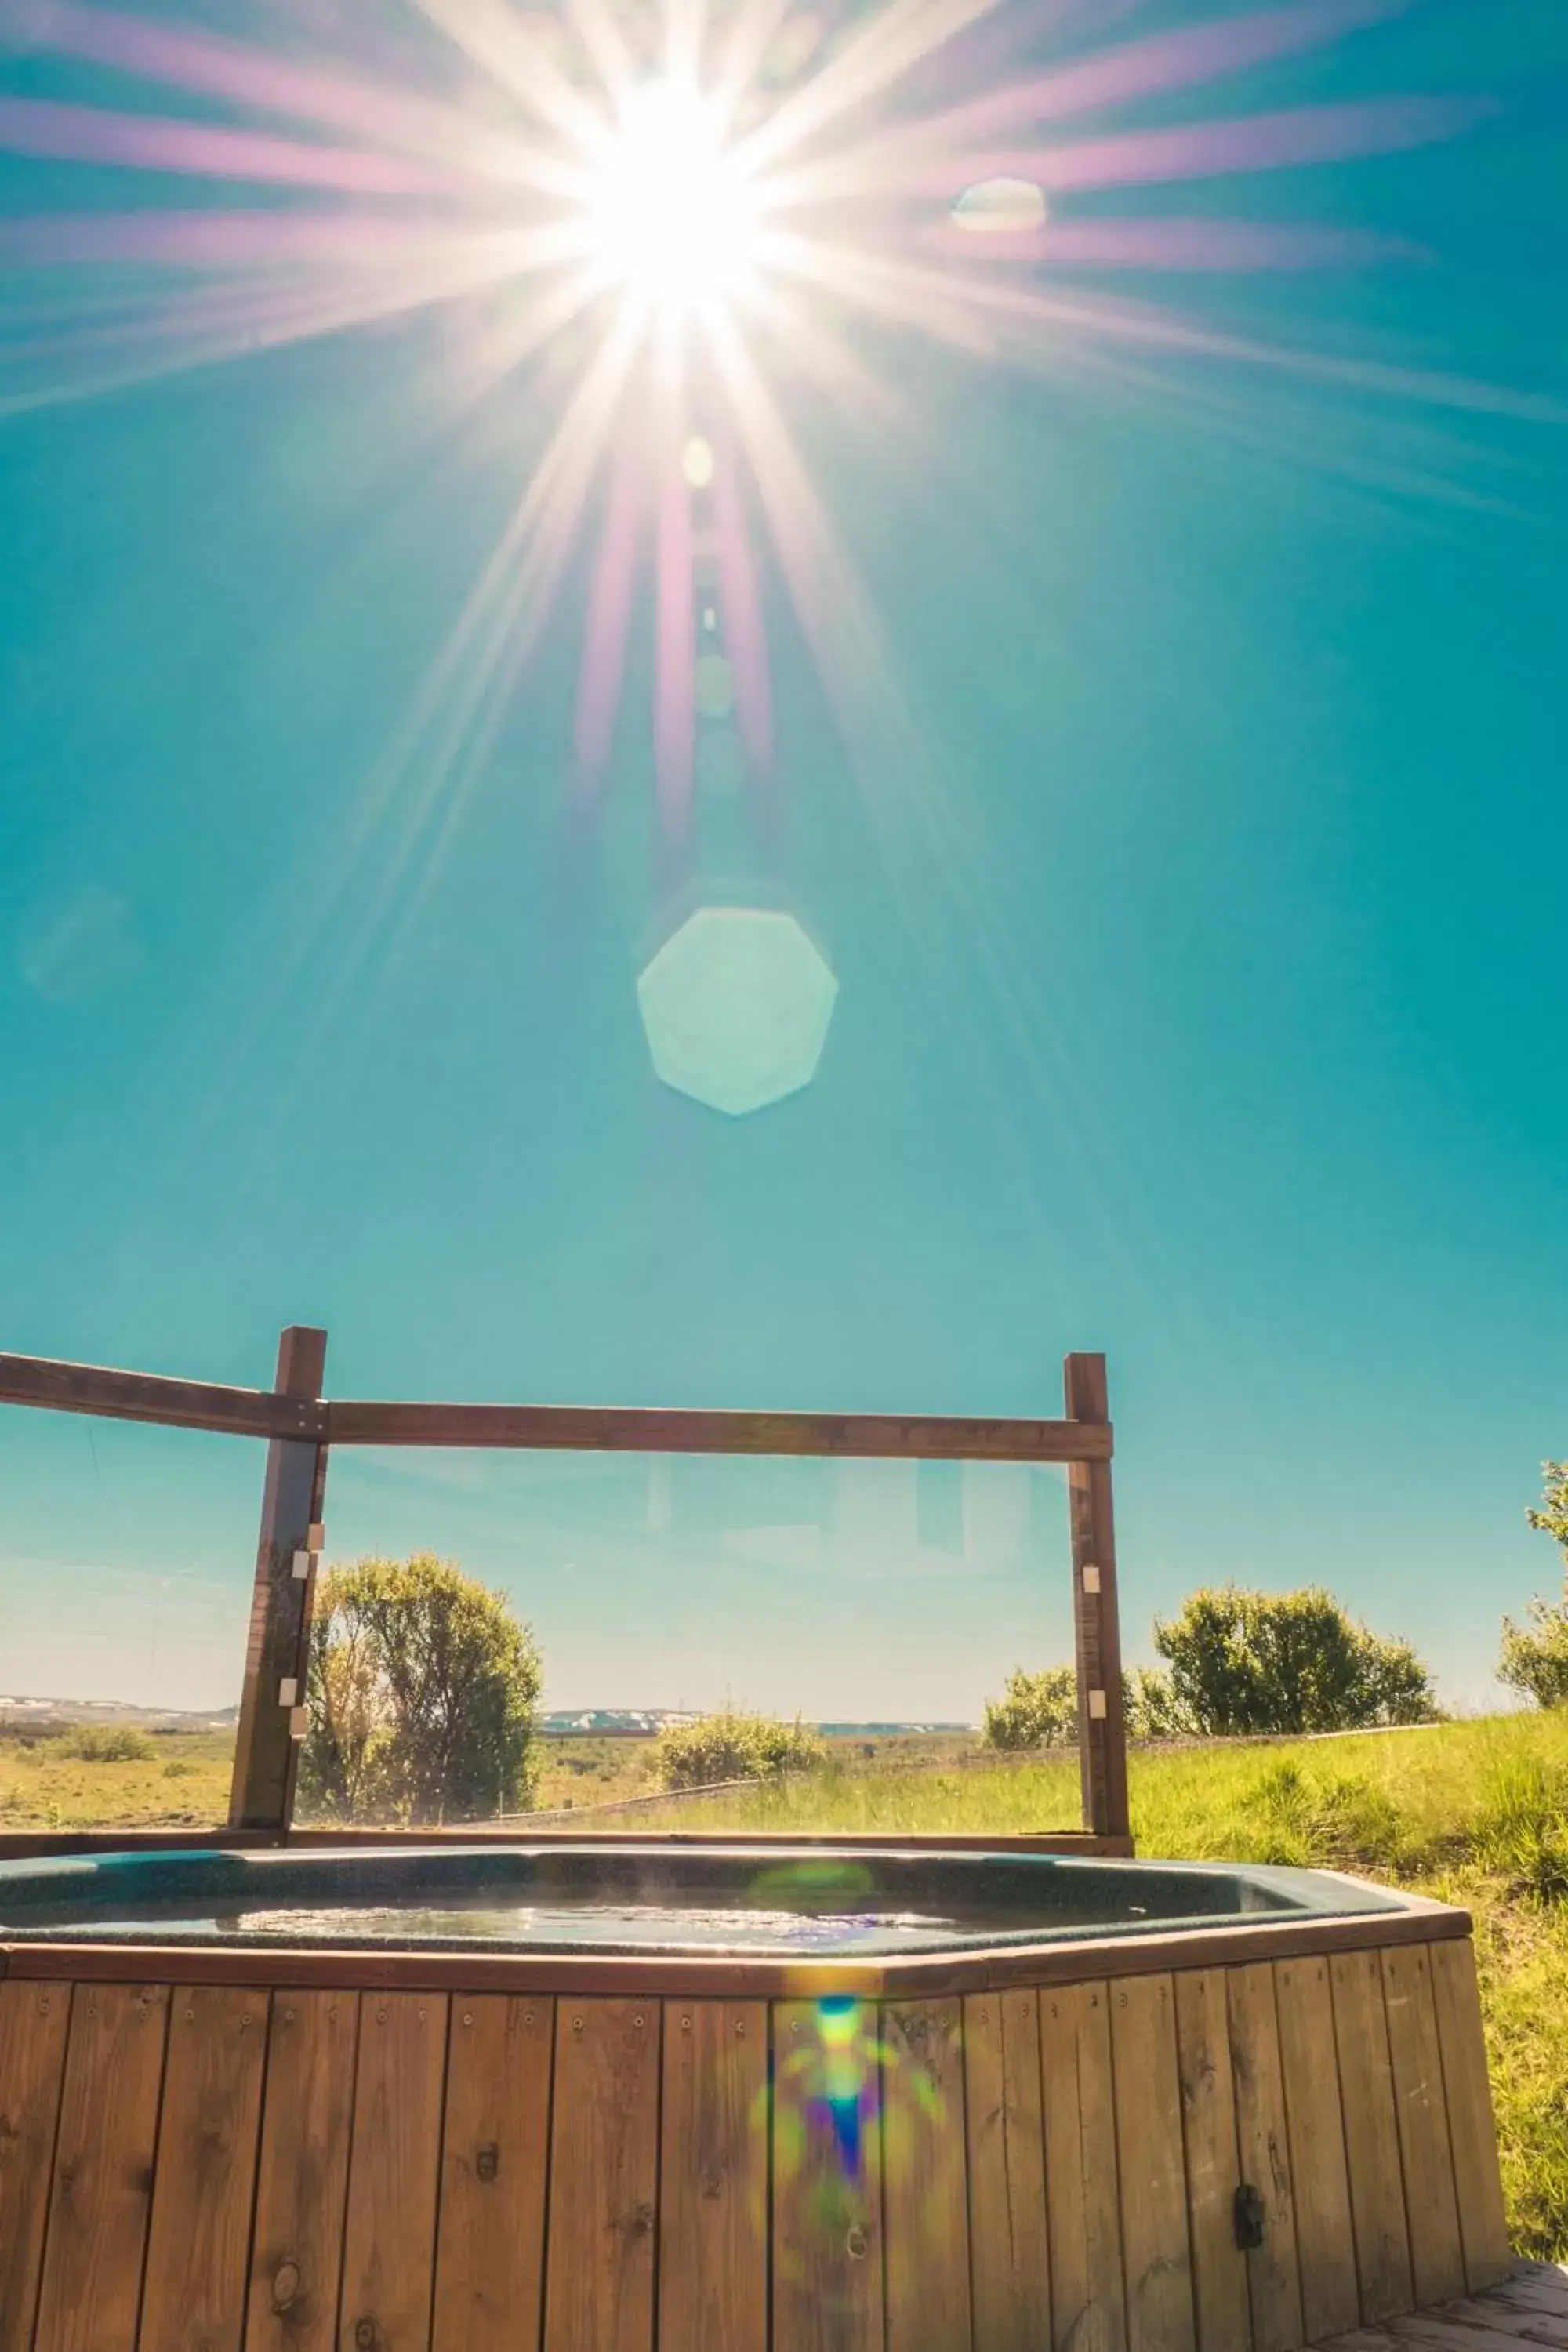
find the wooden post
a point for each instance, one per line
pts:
(1101, 1731)
(265, 1753)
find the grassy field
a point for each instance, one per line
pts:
(1474, 1813)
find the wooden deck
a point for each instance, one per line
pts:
(1529, 2306)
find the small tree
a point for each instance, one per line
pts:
(422, 1693)
(1534, 1658)
(733, 1747)
(1258, 1661)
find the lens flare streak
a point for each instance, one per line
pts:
(699, 195)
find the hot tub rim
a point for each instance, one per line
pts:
(1407, 1919)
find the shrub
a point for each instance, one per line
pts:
(1041, 1711)
(421, 1694)
(733, 1747)
(1035, 1710)
(109, 1744)
(1152, 1705)
(1258, 1661)
(1534, 1659)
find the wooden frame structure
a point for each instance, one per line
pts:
(301, 1427)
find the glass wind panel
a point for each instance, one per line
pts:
(127, 1556)
(876, 1604)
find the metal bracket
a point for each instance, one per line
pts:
(289, 1691)
(304, 1561)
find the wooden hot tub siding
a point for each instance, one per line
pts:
(199, 2167)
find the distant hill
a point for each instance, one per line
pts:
(612, 1722)
(562, 1723)
(885, 1730)
(640, 1722)
(17, 1710)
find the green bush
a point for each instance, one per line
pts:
(109, 1744)
(1152, 1705)
(733, 1747)
(1290, 1662)
(1534, 1658)
(1035, 1710)
(421, 1694)
(1041, 1711)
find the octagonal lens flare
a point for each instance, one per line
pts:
(673, 216)
(736, 1007)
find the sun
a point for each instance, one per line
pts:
(672, 213)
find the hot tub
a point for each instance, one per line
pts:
(720, 2098)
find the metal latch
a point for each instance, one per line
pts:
(1248, 2217)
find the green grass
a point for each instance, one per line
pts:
(85, 1778)
(1475, 1813)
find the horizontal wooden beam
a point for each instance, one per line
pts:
(146, 1396)
(29, 1845)
(610, 1429)
(602, 1429)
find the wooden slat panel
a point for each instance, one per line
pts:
(104, 2170)
(1156, 2253)
(302, 2183)
(713, 2178)
(604, 2177)
(925, 2202)
(1263, 2153)
(827, 2178)
(490, 2274)
(1372, 2136)
(389, 2239)
(1087, 2306)
(1437, 2250)
(1483, 2224)
(1208, 2113)
(33, 2020)
(1325, 2238)
(1009, 2238)
(199, 2243)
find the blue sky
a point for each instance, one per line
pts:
(1194, 896)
